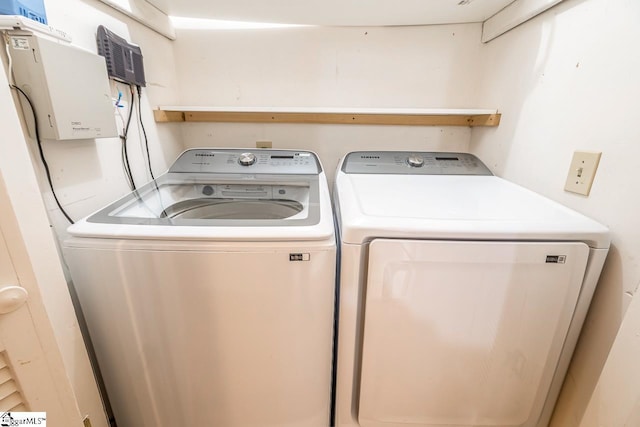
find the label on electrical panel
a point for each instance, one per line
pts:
(20, 43)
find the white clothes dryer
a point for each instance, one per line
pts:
(209, 292)
(461, 296)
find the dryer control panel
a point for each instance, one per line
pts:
(281, 162)
(413, 163)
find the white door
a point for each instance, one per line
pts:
(464, 333)
(32, 374)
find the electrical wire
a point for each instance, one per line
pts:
(6, 45)
(42, 157)
(125, 155)
(118, 106)
(146, 140)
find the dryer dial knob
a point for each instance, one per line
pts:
(415, 161)
(247, 159)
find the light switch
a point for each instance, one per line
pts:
(582, 171)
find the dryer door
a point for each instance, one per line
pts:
(464, 333)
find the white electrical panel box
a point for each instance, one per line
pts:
(68, 86)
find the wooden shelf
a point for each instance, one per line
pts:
(359, 116)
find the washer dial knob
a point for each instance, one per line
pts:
(415, 161)
(247, 159)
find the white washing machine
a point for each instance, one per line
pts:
(209, 292)
(461, 297)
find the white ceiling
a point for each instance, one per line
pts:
(336, 12)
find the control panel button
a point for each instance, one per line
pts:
(415, 161)
(247, 159)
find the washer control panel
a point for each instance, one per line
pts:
(413, 163)
(261, 161)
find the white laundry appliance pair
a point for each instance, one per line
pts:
(461, 295)
(209, 292)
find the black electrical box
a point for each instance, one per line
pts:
(124, 59)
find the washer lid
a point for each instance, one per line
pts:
(225, 187)
(202, 199)
(454, 207)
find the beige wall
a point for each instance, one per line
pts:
(565, 81)
(419, 67)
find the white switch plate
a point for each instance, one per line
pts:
(582, 171)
